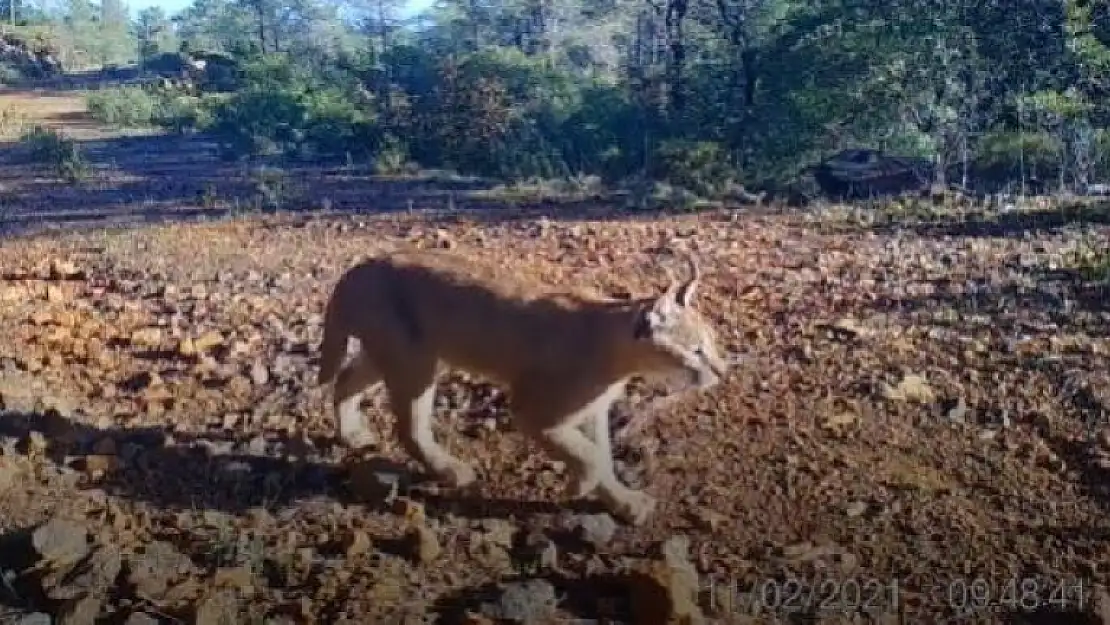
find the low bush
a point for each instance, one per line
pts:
(50, 147)
(125, 107)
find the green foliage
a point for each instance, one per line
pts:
(335, 124)
(182, 113)
(259, 123)
(46, 145)
(755, 94)
(144, 107)
(13, 122)
(502, 114)
(1101, 154)
(271, 189)
(283, 108)
(91, 35)
(393, 159)
(215, 26)
(606, 135)
(127, 107)
(49, 147)
(646, 194)
(10, 74)
(1053, 106)
(699, 166)
(1006, 155)
(39, 38)
(154, 33)
(1091, 261)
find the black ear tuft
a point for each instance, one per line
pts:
(642, 329)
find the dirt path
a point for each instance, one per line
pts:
(140, 177)
(62, 110)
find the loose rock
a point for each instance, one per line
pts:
(856, 508)
(61, 541)
(94, 575)
(141, 618)
(664, 594)
(595, 529)
(219, 608)
(532, 601)
(913, 388)
(159, 565)
(82, 611)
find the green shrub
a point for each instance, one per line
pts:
(1090, 260)
(505, 115)
(272, 189)
(392, 159)
(698, 166)
(1100, 156)
(604, 135)
(183, 113)
(1004, 156)
(259, 122)
(144, 107)
(10, 74)
(12, 122)
(124, 107)
(48, 146)
(647, 194)
(283, 109)
(336, 125)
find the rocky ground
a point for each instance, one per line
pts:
(918, 412)
(919, 434)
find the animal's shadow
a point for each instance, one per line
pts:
(176, 472)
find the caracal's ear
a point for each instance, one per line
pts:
(666, 306)
(656, 315)
(683, 294)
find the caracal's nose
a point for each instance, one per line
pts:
(705, 379)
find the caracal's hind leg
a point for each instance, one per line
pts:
(412, 389)
(350, 385)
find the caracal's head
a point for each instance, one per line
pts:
(673, 339)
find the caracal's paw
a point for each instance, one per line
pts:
(632, 506)
(457, 475)
(358, 439)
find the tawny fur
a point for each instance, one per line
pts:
(564, 356)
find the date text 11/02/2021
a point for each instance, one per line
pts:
(888, 596)
(820, 597)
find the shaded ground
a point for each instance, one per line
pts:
(919, 419)
(142, 177)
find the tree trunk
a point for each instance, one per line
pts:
(261, 27)
(676, 14)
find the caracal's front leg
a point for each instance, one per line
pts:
(595, 427)
(568, 444)
(589, 462)
(412, 397)
(350, 384)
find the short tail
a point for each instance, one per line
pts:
(333, 347)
